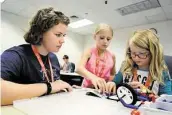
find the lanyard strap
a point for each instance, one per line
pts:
(42, 64)
(147, 84)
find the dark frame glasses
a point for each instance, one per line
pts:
(140, 55)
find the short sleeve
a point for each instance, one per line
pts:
(11, 65)
(118, 78)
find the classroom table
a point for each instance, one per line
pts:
(10, 110)
(70, 74)
(70, 103)
(71, 78)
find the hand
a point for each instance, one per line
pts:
(60, 85)
(76, 87)
(136, 84)
(111, 88)
(99, 83)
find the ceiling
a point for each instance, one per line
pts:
(97, 10)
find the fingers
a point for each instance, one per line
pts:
(111, 88)
(114, 90)
(76, 87)
(135, 84)
(69, 88)
(64, 85)
(99, 84)
(132, 85)
(95, 85)
(102, 83)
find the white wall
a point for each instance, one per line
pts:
(11, 34)
(13, 28)
(73, 47)
(118, 43)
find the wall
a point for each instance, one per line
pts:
(73, 47)
(11, 33)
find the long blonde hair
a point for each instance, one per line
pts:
(102, 27)
(146, 39)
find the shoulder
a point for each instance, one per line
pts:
(88, 52)
(166, 75)
(20, 50)
(15, 52)
(53, 57)
(22, 47)
(111, 54)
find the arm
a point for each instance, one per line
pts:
(166, 88)
(113, 72)
(98, 83)
(118, 78)
(81, 66)
(111, 86)
(12, 91)
(61, 67)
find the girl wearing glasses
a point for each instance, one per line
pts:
(97, 64)
(144, 65)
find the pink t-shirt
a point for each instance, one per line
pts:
(106, 62)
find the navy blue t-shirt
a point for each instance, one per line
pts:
(20, 65)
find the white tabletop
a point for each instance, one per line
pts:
(73, 103)
(10, 110)
(70, 74)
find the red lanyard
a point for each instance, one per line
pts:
(147, 84)
(42, 64)
(98, 65)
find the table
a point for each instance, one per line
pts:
(73, 103)
(71, 78)
(70, 74)
(10, 110)
(70, 103)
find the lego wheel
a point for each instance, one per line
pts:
(130, 96)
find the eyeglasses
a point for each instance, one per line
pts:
(140, 55)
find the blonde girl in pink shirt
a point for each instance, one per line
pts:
(97, 64)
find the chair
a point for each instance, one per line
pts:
(73, 67)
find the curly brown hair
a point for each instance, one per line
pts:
(42, 22)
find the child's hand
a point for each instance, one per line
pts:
(60, 85)
(136, 84)
(111, 87)
(99, 83)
